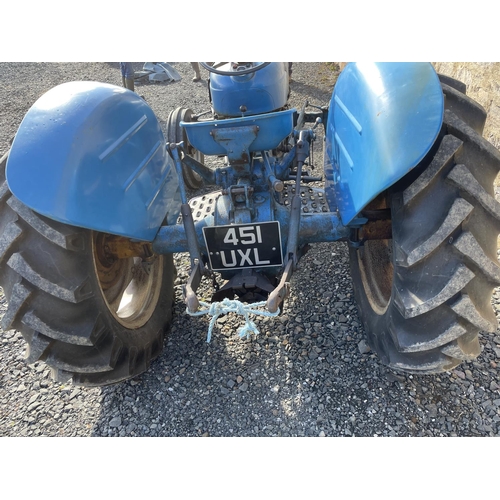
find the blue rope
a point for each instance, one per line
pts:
(215, 309)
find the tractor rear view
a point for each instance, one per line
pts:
(95, 200)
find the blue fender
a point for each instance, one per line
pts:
(383, 119)
(93, 155)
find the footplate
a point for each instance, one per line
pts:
(202, 206)
(313, 199)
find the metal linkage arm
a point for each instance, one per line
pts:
(280, 293)
(204, 172)
(198, 269)
(293, 231)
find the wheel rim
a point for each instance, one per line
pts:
(377, 271)
(130, 287)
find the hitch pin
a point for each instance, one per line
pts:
(317, 122)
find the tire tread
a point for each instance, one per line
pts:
(432, 325)
(64, 238)
(463, 178)
(458, 213)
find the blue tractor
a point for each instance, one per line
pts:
(96, 199)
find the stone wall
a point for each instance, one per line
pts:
(483, 85)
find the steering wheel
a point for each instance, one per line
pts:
(213, 68)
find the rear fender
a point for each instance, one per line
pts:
(93, 155)
(383, 119)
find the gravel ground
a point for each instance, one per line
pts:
(309, 372)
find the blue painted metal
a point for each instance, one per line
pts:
(314, 228)
(264, 91)
(239, 136)
(383, 119)
(93, 155)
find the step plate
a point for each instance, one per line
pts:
(313, 199)
(202, 206)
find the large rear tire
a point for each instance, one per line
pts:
(425, 295)
(91, 317)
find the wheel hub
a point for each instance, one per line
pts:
(130, 284)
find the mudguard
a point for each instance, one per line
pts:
(383, 119)
(93, 155)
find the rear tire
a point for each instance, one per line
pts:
(90, 317)
(176, 133)
(425, 295)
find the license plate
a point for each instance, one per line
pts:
(244, 246)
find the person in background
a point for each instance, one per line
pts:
(196, 69)
(127, 75)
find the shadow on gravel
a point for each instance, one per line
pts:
(308, 373)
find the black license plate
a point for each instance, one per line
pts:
(243, 246)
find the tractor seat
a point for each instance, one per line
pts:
(238, 136)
